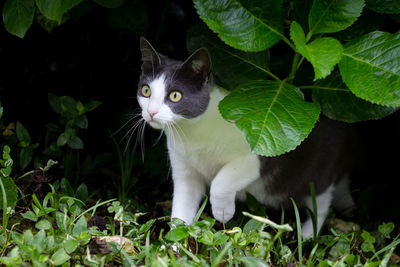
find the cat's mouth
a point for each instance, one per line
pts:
(155, 124)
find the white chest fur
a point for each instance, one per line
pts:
(208, 142)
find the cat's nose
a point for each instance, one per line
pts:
(152, 113)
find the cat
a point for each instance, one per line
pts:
(205, 150)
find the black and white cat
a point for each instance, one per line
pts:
(205, 150)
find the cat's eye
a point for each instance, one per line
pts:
(175, 96)
(146, 91)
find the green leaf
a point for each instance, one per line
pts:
(386, 228)
(368, 21)
(68, 107)
(339, 103)
(80, 108)
(55, 9)
(6, 150)
(17, 238)
(11, 192)
(246, 25)
(61, 140)
(70, 245)
(253, 225)
(80, 226)
(333, 15)
(28, 236)
(39, 241)
(25, 157)
(146, 227)
(60, 256)
(91, 106)
(206, 238)
(75, 143)
(82, 192)
(30, 215)
(18, 16)
(22, 135)
(81, 121)
(384, 6)
(250, 261)
(43, 225)
(6, 171)
(272, 115)
(177, 234)
(370, 67)
(219, 238)
(49, 164)
(227, 60)
(54, 102)
(66, 187)
(368, 244)
(323, 53)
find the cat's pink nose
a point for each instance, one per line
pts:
(152, 113)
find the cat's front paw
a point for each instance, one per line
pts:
(223, 207)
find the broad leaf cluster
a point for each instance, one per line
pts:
(356, 68)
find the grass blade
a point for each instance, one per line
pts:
(298, 226)
(218, 259)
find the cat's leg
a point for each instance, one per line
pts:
(189, 188)
(232, 177)
(342, 198)
(323, 201)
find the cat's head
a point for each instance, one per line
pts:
(170, 91)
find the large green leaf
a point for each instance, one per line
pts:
(246, 25)
(370, 67)
(246, 66)
(272, 115)
(323, 53)
(368, 21)
(339, 103)
(55, 9)
(384, 6)
(18, 16)
(11, 192)
(333, 15)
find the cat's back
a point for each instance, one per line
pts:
(329, 153)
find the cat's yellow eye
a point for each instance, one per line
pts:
(146, 92)
(175, 96)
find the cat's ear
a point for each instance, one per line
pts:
(198, 65)
(150, 57)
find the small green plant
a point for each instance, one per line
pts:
(72, 119)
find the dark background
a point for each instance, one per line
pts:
(95, 55)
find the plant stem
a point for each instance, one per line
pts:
(286, 40)
(294, 67)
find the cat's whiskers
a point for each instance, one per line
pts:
(160, 136)
(142, 146)
(132, 129)
(126, 123)
(180, 133)
(131, 132)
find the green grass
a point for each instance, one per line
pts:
(60, 230)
